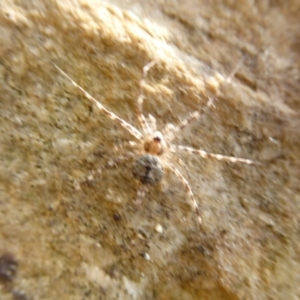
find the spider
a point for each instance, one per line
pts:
(148, 167)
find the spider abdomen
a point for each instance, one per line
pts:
(148, 169)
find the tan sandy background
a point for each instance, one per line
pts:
(59, 242)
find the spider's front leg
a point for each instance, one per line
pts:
(145, 126)
(131, 129)
(171, 132)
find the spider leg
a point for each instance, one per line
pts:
(205, 154)
(180, 163)
(140, 193)
(145, 126)
(188, 189)
(171, 132)
(109, 165)
(126, 145)
(152, 123)
(233, 72)
(136, 133)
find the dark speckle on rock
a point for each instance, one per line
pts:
(8, 267)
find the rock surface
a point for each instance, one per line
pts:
(92, 241)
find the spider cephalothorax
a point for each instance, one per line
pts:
(155, 145)
(147, 154)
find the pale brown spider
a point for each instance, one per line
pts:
(148, 167)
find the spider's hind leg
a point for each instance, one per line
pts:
(140, 193)
(112, 163)
(189, 191)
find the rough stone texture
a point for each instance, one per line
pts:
(93, 242)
